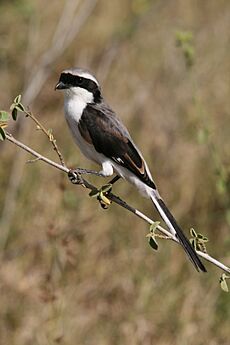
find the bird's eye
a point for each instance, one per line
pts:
(80, 80)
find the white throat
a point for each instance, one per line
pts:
(75, 101)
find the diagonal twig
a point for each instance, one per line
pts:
(48, 134)
(113, 198)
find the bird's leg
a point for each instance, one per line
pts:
(75, 174)
(74, 177)
(107, 188)
(114, 179)
(81, 171)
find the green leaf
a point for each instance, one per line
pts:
(154, 226)
(153, 244)
(183, 37)
(223, 283)
(189, 54)
(14, 114)
(16, 105)
(19, 107)
(2, 134)
(105, 200)
(184, 40)
(193, 243)
(205, 239)
(17, 99)
(152, 240)
(224, 286)
(106, 188)
(193, 232)
(4, 116)
(200, 236)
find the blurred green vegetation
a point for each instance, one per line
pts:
(72, 273)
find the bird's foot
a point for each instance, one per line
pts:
(75, 177)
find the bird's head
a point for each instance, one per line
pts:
(80, 83)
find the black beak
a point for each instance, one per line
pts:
(61, 86)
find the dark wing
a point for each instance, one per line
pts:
(104, 130)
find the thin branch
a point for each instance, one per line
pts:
(48, 134)
(10, 138)
(33, 160)
(215, 262)
(113, 198)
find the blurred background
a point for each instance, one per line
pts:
(70, 272)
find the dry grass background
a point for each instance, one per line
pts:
(72, 273)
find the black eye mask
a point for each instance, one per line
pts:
(71, 80)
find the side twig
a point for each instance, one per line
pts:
(48, 133)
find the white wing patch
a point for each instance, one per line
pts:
(119, 160)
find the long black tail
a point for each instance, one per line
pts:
(174, 228)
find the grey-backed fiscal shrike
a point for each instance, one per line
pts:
(102, 138)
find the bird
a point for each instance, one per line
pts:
(103, 138)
